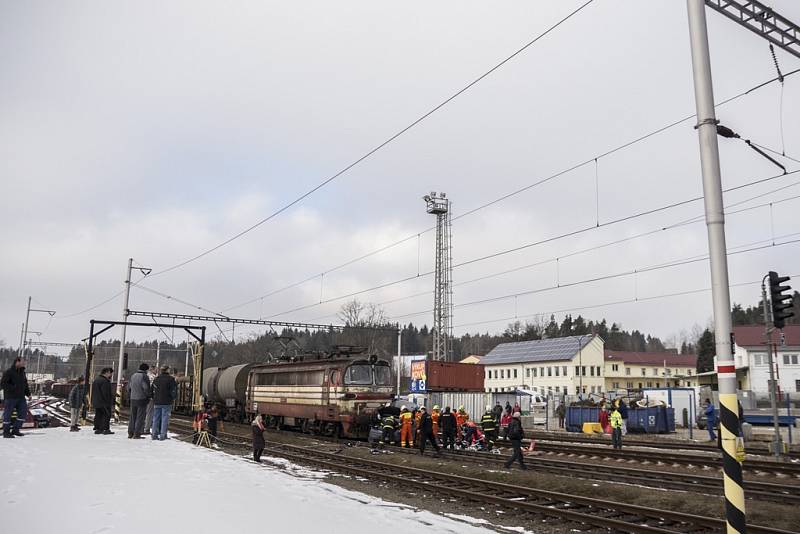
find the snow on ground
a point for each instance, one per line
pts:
(52, 480)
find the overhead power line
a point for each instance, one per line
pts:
(530, 245)
(508, 195)
(378, 147)
(632, 272)
(606, 304)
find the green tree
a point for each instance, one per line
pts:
(706, 349)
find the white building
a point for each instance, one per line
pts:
(556, 366)
(752, 363)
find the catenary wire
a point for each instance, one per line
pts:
(378, 147)
(572, 233)
(607, 304)
(542, 262)
(631, 272)
(692, 220)
(396, 243)
(506, 196)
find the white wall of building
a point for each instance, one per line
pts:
(557, 377)
(787, 369)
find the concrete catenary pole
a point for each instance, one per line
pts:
(720, 291)
(25, 330)
(21, 337)
(118, 398)
(399, 359)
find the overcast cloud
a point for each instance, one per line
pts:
(155, 131)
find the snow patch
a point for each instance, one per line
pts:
(79, 482)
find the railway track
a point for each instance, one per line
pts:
(682, 481)
(574, 437)
(537, 506)
(764, 491)
(712, 460)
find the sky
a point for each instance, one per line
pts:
(157, 131)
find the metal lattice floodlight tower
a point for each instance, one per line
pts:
(439, 205)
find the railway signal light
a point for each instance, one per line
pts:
(781, 309)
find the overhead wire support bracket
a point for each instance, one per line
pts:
(761, 20)
(285, 324)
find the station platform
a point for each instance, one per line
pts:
(53, 480)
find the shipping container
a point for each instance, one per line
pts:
(450, 376)
(474, 403)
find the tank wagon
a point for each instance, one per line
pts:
(227, 387)
(334, 396)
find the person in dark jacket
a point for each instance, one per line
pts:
(448, 423)
(258, 438)
(426, 431)
(165, 390)
(15, 388)
(102, 401)
(139, 388)
(498, 412)
(515, 435)
(76, 396)
(389, 425)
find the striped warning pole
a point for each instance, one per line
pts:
(720, 289)
(732, 468)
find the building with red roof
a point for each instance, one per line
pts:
(638, 370)
(752, 360)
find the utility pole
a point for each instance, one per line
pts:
(118, 398)
(399, 359)
(21, 338)
(720, 290)
(777, 442)
(158, 355)
(186, 363)
(24, 333)
(25, 330)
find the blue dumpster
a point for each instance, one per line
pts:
(577, 415)
(652, 420)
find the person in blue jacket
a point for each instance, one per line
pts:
(711, 420)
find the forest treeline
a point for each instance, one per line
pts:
(415, 340)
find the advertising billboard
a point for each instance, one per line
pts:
(419, 376)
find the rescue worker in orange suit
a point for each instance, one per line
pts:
(461, 419)
(406, 437)
(435, 417)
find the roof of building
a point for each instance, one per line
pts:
(540, 350)
(472, 358)
(652, 358)
(753, 335)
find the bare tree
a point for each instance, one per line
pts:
(364, 319)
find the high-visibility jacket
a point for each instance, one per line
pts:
(388, 422)
(418, 418)
(405, 419)
(487, 422)
(616, 419)
(435, 418)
